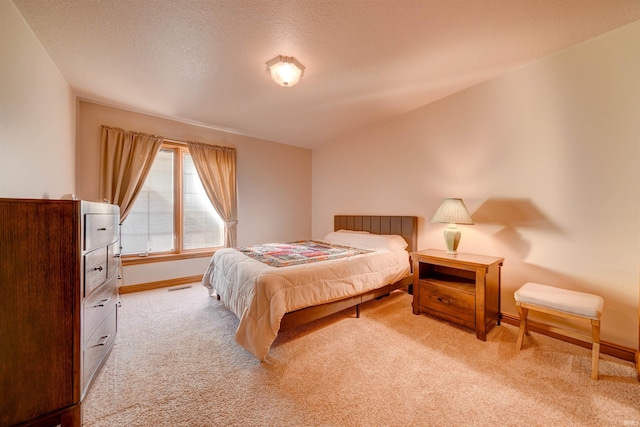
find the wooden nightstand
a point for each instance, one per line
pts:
(463, 288)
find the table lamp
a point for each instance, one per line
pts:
(452, 212)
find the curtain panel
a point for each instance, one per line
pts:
(125, 162)
(216, 167)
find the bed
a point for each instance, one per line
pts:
(271, 295)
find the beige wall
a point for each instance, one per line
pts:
(274, 182)
(547, 159)
(37, 115)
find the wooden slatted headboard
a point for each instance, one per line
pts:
(405, 226)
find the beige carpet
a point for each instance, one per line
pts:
(175, 363)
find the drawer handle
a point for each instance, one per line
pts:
(444, 300)
(105, 228)
(103, 302)
(98, 268)
(103, 340)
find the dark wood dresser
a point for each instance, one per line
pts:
(58, 306)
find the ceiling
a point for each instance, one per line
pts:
(203, 61)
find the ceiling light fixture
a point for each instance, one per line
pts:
(285, 70)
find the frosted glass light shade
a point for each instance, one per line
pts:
(285, 70)
(452, 211)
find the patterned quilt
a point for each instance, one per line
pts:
(300, 252)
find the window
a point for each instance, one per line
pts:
(172, 213)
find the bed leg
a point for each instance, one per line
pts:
(357, 311)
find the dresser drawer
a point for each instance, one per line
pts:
(97, 348)
(95, 270)
(98, 306)
(100, 230)
(113, 260)
(456, 304)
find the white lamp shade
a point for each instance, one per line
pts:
(452, 211)
(285, 70)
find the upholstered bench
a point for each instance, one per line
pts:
(563, 303)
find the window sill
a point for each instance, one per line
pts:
(135, 259)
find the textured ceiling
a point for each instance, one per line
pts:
(203, 61)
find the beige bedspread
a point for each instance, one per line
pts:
(260, 295)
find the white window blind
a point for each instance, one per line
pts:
(151, 225)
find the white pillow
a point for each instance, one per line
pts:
(352, 231)
(399, 240)
(368, 240)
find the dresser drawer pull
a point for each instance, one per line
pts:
(103, 302)
(98, 268)
(103, 340)
(444, 300)
(105, 228)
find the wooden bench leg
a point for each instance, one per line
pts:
(595, 352)
(523, 312)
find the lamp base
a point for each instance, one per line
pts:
(452, 239)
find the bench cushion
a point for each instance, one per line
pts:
(578, 303)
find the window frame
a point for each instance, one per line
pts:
(178, 253)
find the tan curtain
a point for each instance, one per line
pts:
(216, 168)
(125, 162)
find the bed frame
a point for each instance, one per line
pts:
(405, 226)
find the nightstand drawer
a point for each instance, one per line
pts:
(452, 302)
